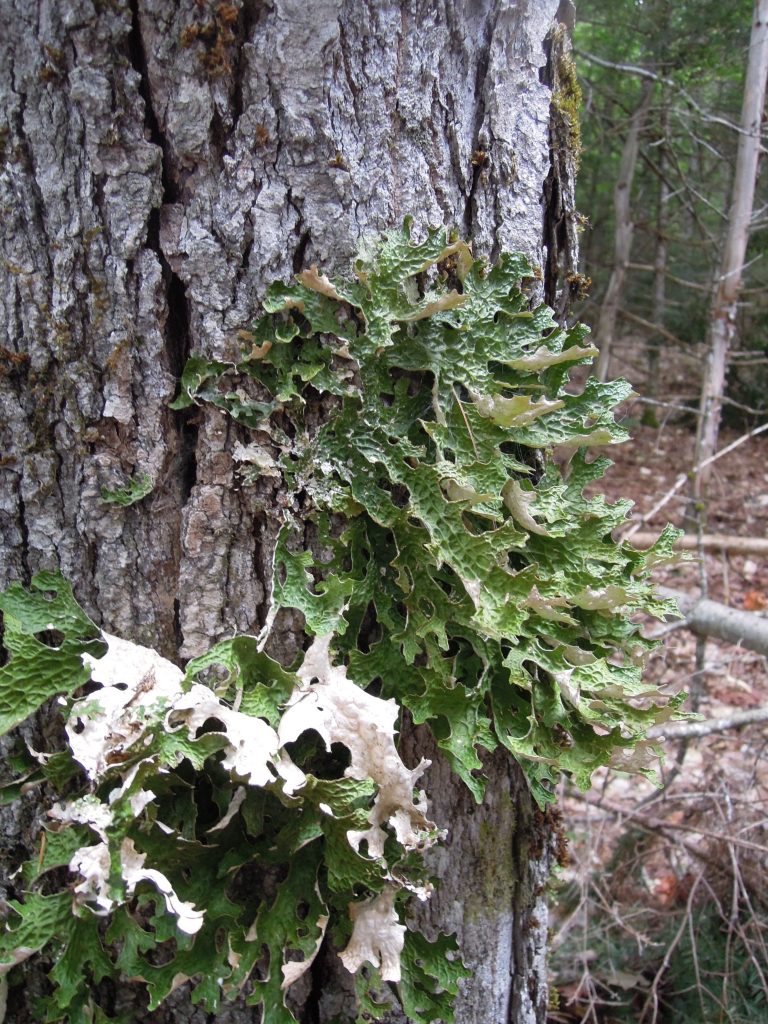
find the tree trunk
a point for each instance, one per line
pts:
(722, 317)
(655, 341)
(623, 231)
(161, 163)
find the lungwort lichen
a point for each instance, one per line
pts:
(207, 828)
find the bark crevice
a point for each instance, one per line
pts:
(482, 144)
(562, 283)
(177, 326)
(246, 23)
(138, 57)
(24, 531)
(177, 345)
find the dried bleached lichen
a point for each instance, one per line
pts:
(103, 726)
(341, 712)
(377, 936)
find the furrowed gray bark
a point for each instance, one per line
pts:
(161, 163)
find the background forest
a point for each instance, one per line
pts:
(662, 912)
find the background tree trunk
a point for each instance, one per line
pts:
(161, 163)
(722, 316)
(661, 252)
(623, 231)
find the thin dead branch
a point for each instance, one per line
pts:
(653, 824)
(709, 618)
(732, 545)
(696, 285)
(684, 477)
(677, 730)
(649, 326)
(633, 69)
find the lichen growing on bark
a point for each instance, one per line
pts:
(466, 578)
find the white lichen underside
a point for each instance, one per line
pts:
(140, 691)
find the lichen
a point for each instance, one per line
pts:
(456, 570)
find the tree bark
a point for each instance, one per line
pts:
(722, 317)
(161, 163)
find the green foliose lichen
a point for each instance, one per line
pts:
(457, 570)
(129, 493)
(503, 610)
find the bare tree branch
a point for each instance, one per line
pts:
(634, 69)
(679, 730)
(656, 328)
(709, 541)
(684, 477)
(678, 280)
(710, 618)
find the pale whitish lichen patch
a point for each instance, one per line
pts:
(105, 723)
(18, 956)
(518, 411)
(236, 803)
(87, 810)
(519, 501)
(377, 936)
(601, 598)
(92, 863)
(257, 456)
(293, 970)
(139, 690)
(341, 712)
(544, 357)
(132, 860)
(317, 282)
(438, 304)
(252, 745)
(550, 608)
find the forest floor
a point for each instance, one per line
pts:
(662, 915)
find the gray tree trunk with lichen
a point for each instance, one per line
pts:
(161, 163)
